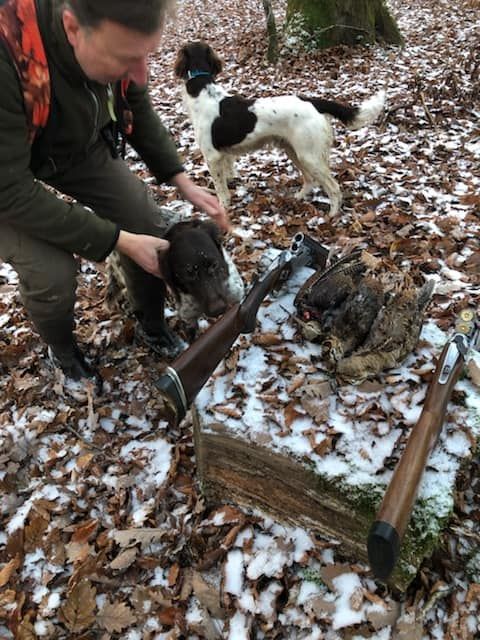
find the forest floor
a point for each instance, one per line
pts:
(104, 532)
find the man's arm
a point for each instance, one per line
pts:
(150, 139)
(24, 201)
(155, 146)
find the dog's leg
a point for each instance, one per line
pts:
(331, 188)
(229, 168)
(306, 188)
(307, 180)
(319, 174)
(216, 167)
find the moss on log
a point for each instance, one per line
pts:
(233, 469)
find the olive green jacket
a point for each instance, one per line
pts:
(78, 114)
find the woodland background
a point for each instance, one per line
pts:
(104, 533)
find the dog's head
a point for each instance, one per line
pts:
(197, 57)
(194, 264)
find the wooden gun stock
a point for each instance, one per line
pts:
(184, 378)
(386, 533)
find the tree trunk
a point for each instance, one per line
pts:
(272, 53)
(332, 22)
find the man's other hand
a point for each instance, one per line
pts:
(143, 249)
(202, 199)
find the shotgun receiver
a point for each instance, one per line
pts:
(183, 379)
(386, 533)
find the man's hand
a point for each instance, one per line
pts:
(202, 199)
(143, 249)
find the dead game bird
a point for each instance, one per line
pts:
(393, 335)
(366, 313)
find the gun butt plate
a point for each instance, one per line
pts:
(383, 547)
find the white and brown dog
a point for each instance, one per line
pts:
(229, 125)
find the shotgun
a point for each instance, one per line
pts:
(386, 533)
(183, 379)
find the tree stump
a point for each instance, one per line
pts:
(271, 433)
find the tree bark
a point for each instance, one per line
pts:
(272, 52)
(352, 22)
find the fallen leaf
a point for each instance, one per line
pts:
(77, 551)
(115, 617)
(319, 606)
(208, 595)
(170, 615)
(316, 408)
(7, 570)
(331, 571)
(124, 559)
(78, 612)
(83, 461)
(227, 514)
(296, 383)
(173, 574)
(356, 599)
(473, 369)
(34, 532)
(268, 339)
(231, 412)
(127, 537)
(386, 618)
(84, 531)
(25, 630)
(291, 414)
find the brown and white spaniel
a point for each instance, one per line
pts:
(230, 125)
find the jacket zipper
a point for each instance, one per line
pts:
(96, 118)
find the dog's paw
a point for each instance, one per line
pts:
(304, 191)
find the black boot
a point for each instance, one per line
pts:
(72, 362)
(147, 298)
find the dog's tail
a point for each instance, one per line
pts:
(352, 117)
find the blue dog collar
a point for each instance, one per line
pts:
(196, 74)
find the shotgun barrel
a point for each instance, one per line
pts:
(184, 378)
(386, 533)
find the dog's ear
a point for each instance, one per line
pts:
(181, 63)
(214, 232)
(214, 61)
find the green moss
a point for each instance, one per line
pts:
(423, 532)
(313, 575)
(328, 23)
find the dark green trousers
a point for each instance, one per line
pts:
(48, 274)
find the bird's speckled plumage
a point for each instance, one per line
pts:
(366, 312)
